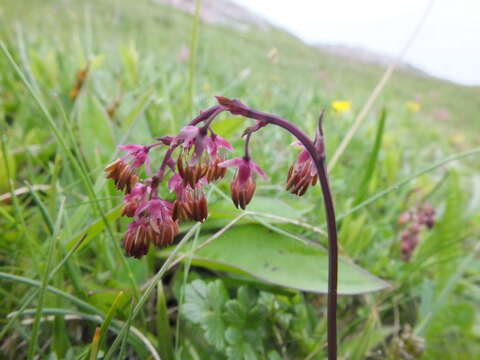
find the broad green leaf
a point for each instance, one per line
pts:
(222, 212)
(277, 259)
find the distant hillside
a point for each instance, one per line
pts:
(220, 12)
(226, 12)
(367, 56)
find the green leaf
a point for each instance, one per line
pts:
(277, 259)
(235, 313)
(371, 162)
(203, 305)
(241, 351)
(227, 127)
(244, 311)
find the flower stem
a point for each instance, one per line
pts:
(246, 156)
(237, 108)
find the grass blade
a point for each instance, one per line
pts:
(139, 338)
(43, 209)
(128, 324)
(151, 286)
(405, 181)
(371, 162)
(377, 90)
(80, 303)
(77, 166)
(164, 335)
(447, 289)
(109, 316)
(51, 249)
(95, 344)
(34, 294)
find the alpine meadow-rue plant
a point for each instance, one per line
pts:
(197, 156)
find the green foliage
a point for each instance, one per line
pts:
(247, 324)
(256, 292)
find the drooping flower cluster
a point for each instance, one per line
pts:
(193, 159)
(200, 160)
(413, 220)
(302, 173)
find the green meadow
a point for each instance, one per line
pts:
(244, 284)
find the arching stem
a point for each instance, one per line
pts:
(316, 151)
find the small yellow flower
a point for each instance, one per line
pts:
(413, 106)
(341, 106)
(457, 138)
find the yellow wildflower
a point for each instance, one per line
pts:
(413, 106)
(457, 138)
(341, 106)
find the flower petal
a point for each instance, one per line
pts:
(297, 143)
(187, 135)
(131, 148)
(235, 162)
(244, 173)
(175, 183)
(255, 168)
(221, 142)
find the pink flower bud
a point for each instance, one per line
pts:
(243, 185)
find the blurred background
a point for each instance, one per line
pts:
(399, 82)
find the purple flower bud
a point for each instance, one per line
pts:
(301, 174)
(243, 185)
(123, 170)
(122, 174)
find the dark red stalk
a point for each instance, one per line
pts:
(317, 153)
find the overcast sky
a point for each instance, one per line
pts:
(447, 46)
